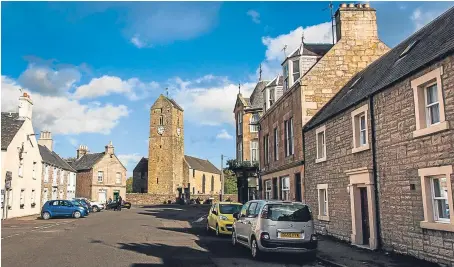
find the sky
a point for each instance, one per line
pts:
(93, 69)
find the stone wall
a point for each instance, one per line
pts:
(399, 156)
(197, 184)
(153, 199)
(291, 173)
(48, 185)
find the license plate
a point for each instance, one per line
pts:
(290, 235)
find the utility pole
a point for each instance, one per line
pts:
(222, 177)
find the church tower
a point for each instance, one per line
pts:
(165, 148)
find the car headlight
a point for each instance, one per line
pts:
(222, 217)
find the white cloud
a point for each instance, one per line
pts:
(137, 42)
(133, 88)
(74, 142)
(271, 66)
(208, 100)
(224, 135)
(47, 80)
(62, 115)
(255, 16)
(420, 18)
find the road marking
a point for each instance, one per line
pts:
(37, 228)
(200, 219)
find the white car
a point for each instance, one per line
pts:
(95, 205)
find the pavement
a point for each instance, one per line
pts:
(165, 235)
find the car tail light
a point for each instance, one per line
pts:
(265, 235)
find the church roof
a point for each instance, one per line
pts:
(201, 165)
(142, 165)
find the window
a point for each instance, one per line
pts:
(34, 170)
(323, 202)
(45, 195)
(240, 152)
(22, 198)
(161, 120)
(193, 190)
(268, 189)
(272, 96)
(296, 70)
(429, 103)
(21, 168)
(254, 148)
(54, 175)
(212, 183)
(436, 188)
(32, 199)
(157, 180)
(254, 127)
(320, 144)
(46, 173)
(62, 176)
(360, 131)
(251, 211)
(239, 120)
(288, 128)
(118, 178)
(193, 172)
(203, 184)
(266, 155)
(286, 77)
(276, 144)
(285, 188)
(100, 176)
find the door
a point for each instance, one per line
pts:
(275, 196)
(102, 195)
(65, 208)
(298, 194)
(364, 215)
(250, 220)
(240, 223)
(116, 194)
(212, 217)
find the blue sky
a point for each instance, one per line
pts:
(94, 69)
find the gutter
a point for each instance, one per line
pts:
(374, 170)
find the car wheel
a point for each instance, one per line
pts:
(46, 215)
(77, 214)
(233, 238)
(129, 207)
(255, 252)
(96, 209)
(217, 230)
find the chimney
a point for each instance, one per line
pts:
(25, 106)
(356, 22)
(82, 151)
(110, 149)
(45, 139)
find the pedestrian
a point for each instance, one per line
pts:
(110, 201)
(119, 203)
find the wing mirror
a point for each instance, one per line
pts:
(236, 215)
(214, 212)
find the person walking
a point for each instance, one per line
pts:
(119, 203)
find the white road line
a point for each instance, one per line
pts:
(200, 219)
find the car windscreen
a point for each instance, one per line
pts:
(289, 212)
(229, 208)
(75, 203)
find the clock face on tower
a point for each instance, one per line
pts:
(160, 130)
(178, 131)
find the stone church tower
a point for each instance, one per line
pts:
(166, 148)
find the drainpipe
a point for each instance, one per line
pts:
(374, 170)
(303, 192)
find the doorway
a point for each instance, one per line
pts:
(102, 196)
(116, 194)
(364, 215)
(298, 195)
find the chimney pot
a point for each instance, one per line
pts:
(366, 5)
(343, 5)
(358, 6)
(351, 5)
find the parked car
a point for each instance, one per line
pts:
(114, 204)
(275, 226)
(220, 217)
(63, 208)
(83, 203)
(96, 206)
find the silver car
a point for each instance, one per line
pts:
(275, 226)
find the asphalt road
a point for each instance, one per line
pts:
(167, 235)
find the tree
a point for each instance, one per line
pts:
(230, 186)
(129, 185)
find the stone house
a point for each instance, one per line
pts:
(312, 74)
(21, 163)
(58, 177)
(200, 175)
(247, 114)
(100, 176)
(379, 156)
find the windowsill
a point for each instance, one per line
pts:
(431, 129)
(360, 148)
(320, 160)
(440, 226)
(323, 218)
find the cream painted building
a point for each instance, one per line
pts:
(21, 161)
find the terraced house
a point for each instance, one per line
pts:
(58, 177)
(312, 75)
(379, 156)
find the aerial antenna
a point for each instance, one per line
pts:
(283, 49)
(330, 6)
(239, 88)
(167, 92)
(260, 72)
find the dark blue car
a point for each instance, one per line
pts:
(62, 208)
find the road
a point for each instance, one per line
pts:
(166, 235)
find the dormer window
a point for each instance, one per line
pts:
(296, 70)
(286, 77)
(272, 97)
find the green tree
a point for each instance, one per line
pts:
(230, 186)
(129, 185)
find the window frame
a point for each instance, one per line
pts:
(419, 86)
(286, 76)
(62, 176)
(118, 175)
(285, 190)
(356, 116)
(102, 176)
(266, 155)
(318, 131)
(46, 173)
(20, 171)
(254, 147)
(34, 170)
(428, 105)
(435, 199)
(22, 198)
(253, 121)
(268, 190)
(276, 143)
(322, 191)
(293, 70)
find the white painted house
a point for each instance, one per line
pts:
(21, 163)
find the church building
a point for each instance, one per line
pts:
(167, 172)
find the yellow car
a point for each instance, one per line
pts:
(220, 217)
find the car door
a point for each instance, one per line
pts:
(250, 219)
(54, 208)
(212, 216)
(65, 208)
(240, 223)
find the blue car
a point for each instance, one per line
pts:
(82, 203)
(63, 208)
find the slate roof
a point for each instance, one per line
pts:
(311, 50)
(175, 105)
(256, 99)
(142, 165)
(201, 165)
(277, 81)
(10, 126)
(87, 161)
(433, 42)
(52, 158)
